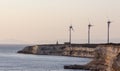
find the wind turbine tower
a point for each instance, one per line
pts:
(89, 26)
(108, 33)
(70, 30)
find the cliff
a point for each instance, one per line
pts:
(61, 50)
(107, 58)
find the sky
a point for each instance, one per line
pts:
(48, 21)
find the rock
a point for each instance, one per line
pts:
(107, 58)
(116, 63)
(61, 50)
(81, 67)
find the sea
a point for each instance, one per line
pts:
(10, 60)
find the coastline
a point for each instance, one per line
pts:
(104, 55)
(76, 50)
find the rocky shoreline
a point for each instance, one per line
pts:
(77, 67)
(75, 50)
(106, 57)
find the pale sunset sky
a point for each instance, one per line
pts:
(47, 21)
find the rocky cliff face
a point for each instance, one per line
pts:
(79, 51)
(61, 50)
(116, 64)
(107, 58)
(42, 50)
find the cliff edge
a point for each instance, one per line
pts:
(59, 50)
(107, 58)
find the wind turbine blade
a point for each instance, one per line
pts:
(92, 25)
(72, 28)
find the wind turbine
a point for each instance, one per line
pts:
(70, 30)
(89, 26)
(108, 31)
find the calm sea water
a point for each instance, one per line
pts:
(11, 61)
